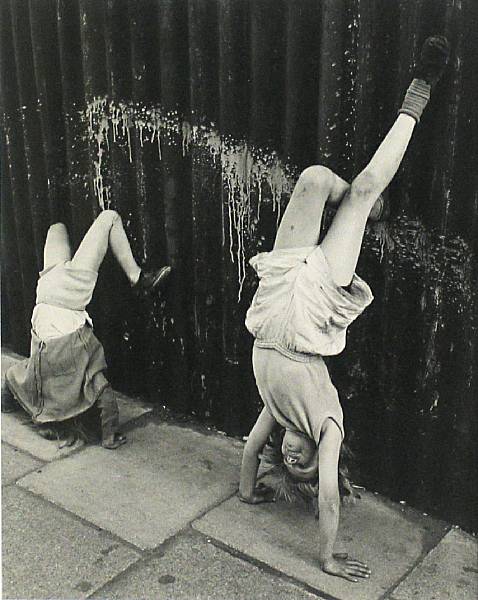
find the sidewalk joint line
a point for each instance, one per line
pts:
(80, 519)
(146, 555)
(17, 449)
(417, 562)
(266, 567)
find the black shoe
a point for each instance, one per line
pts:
(151, 280)
(433, 59)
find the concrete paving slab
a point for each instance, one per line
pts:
(448, 572)
(50, 554)
(16, 463)
(149, 488)
(388, 539)
(190, 568)
(17, 430)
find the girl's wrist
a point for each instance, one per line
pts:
(325, 560)
(245, 495)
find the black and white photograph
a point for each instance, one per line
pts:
(239, 299)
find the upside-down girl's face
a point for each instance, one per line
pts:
(300, 455)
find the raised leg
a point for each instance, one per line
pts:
(107, 231)
(343, 240)
(57, 246)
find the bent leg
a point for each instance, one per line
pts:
(57, 246)
(343, 241)
(300, 225)
(107, 230)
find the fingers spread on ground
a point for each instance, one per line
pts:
(356, 563)
(357, 572)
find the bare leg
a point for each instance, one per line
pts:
(301, 223)
(343, 240)
(57, 246)
(107, 230)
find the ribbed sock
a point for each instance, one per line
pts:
(416, 98)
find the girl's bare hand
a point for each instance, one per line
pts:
(262, 493)
(341, 565)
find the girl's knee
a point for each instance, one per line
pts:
(365, 189)
(59, 228)
(107, 218)
(316, 179)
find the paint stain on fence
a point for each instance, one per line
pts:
(250, 175)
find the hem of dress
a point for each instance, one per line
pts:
(292, 354)
(59, 304)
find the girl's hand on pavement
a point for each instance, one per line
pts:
(341, 565)
(262, 493)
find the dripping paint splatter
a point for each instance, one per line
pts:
(247, 172)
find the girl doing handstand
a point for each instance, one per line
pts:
(64, 375)
(307, 296)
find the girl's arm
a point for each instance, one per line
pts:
(248, 492)
(329, 508)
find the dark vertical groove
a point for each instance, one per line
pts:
(233, 104)
(332, 83)
(12, 269)
(95, 81)
(206, 207)
(16, 170)
(301, 88)
(46, 58)
(176, 202)
(28, 113)
(267, 72)
(77, 151)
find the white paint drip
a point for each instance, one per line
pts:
(245, 169)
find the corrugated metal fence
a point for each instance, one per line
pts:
(192, 119)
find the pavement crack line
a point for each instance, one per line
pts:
(146, 555)
(72, 452)
(29, 454)
(418, 561)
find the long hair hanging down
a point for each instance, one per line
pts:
(291, 490)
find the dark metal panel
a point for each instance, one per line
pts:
(30, 122)
(176, 201)
(24, 264)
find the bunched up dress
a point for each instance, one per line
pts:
(65, 373)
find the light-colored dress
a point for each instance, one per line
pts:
(298, 308)
(298, 315)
